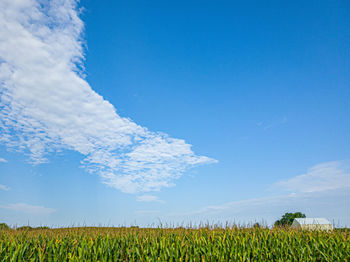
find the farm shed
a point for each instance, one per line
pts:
(312, 224)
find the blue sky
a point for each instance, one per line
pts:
(127, 112)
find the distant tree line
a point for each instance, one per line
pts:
(4, 226)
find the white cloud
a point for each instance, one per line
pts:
(3, 187)
(321, 177)
(330, 204)
(2, 160)
(324, 191)
(148, 198)
(46, 105)
(28, 209)
(272, 124)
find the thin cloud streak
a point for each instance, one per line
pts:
(269, 209)
(321, 177)
(47, 106)
(28, 209)
(148, 198)
(266, 126)
(4, 187)
(2, 160)
(323, 191)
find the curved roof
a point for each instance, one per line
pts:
(308, 221)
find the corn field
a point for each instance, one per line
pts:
(179, 244)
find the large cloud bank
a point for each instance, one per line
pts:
(47, 106)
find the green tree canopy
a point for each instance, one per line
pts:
(287, 218)
(4, 226)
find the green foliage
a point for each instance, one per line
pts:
(4, 226)
(146, 244)
(27, 228)
(288, 218)
(24, 228)
(256, 225)
(42, 227)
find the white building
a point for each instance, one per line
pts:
(312, 224)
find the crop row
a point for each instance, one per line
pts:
(123, 244)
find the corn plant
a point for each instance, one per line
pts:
(174, 244)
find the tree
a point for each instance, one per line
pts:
(256, 225)
(26, 228)
(288, 218)
(4, 226)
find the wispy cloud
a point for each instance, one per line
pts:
(270, 125)
(322, 177)
(2, 160)
(5, 188)
(28, 209)
(330, 204)
(47, 105)
(324, 191)
(149, 198)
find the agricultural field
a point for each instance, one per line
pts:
(174, 244)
